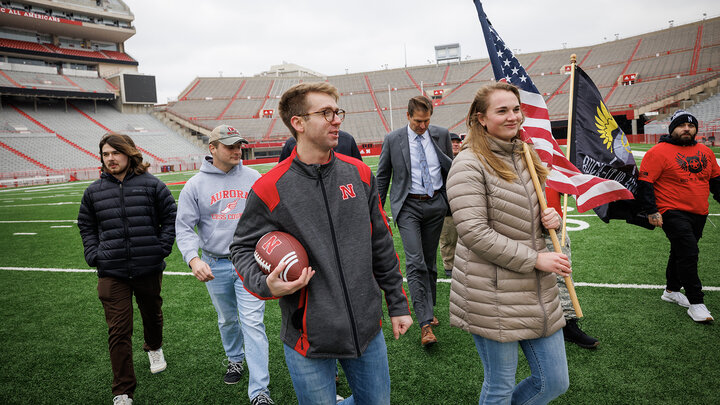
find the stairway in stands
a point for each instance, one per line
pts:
(26, 157)
(50, 131)
(94, 121)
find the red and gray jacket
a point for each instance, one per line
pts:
(334, 211)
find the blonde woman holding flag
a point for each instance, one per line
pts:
(504, 290)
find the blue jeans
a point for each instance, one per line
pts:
(230, 298)
(367, 375)
(548, 365)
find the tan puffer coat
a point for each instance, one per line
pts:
(496, 292)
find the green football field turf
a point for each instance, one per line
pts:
(54, 338)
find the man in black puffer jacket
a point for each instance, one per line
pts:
(127, 224)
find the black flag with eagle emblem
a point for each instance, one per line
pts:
(600, 148)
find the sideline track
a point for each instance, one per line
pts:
(442, 280)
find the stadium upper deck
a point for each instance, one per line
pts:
(78, 38)
(665, 63)
(61, 92)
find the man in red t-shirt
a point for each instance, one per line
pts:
(676, 177)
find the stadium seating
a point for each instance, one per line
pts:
(69, 139)
(680, 38)
(28, 46)
(667, 63)
(47, 81)
(51, 50)
(662, 61)
(354, 83)
(707, 112)
(12, 162)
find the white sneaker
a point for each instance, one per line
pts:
(122, 400)
(157, 361)
(699, 313)
(676, 297)
(338, 399)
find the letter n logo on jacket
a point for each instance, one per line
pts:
(347, 191)
(271, 244)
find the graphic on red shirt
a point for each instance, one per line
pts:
(692, 164)
(680, 176)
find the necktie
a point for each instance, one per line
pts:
(427, 182)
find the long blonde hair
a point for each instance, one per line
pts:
(477, 137)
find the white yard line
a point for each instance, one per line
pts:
(442, 280)
(39, 221)
(54, 270)
(41, 205)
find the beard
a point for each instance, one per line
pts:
(685, 141)
(683, 138)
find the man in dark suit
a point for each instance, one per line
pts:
(346, 145)
(416, 157)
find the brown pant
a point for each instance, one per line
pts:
(448, 240)
(116, 297)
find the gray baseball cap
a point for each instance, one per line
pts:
(227, 135)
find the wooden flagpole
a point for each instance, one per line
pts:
(553, 235)
(573, 61)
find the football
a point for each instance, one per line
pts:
(278, 247)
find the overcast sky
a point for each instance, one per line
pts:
(178, 40)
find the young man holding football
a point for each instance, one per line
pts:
(213, 201)
(330, 203)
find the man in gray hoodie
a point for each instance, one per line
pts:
(213, 200)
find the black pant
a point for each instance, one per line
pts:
(684, 230)
(420, 223)
(116, 296)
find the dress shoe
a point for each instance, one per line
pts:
(434, 322)
(427, 337)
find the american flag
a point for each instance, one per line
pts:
(589, 191)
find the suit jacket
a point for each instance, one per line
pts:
(395, 162)
(346, 145)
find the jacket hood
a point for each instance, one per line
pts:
(207, 167)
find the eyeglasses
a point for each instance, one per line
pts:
(328, 114)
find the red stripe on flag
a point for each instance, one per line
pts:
(531, 111)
